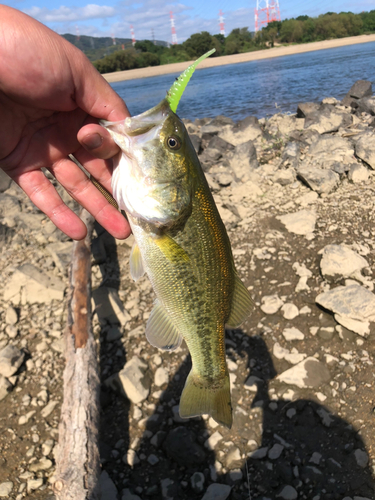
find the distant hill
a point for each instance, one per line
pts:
(98, 47)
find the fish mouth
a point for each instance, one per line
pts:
(138, 125)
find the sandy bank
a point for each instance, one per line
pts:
(237, 58)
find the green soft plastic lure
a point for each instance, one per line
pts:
(175, 92)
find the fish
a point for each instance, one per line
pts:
(182, 245)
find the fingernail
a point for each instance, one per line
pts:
(93, 141)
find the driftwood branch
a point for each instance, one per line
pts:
(78, 462)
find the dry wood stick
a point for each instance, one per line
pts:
(78, 462)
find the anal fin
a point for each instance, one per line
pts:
(242, 304)
(160, 331)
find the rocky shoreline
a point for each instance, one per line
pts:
(296, 193)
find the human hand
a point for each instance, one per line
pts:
(49, 94)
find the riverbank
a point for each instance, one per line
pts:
(132, 74)
(296, 193)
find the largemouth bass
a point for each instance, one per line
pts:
(182, 245)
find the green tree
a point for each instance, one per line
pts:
(239, 40)
(146, 59)
(200, 43)
(291, 31)
(368, 21)
(309, 28)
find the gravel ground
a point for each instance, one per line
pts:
(302, 382)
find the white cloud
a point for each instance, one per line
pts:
(71, 14)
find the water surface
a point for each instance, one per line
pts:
(259, 88)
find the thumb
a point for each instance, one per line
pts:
(93, 93)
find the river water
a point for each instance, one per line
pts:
(260, 88)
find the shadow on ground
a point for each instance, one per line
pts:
(277, 448)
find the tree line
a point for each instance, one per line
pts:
(301, 29)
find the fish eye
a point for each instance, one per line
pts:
(173, 143)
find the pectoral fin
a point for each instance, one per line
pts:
(171, 250)
(136, 263)
(242, 304)
(160, 331)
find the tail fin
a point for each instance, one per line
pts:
(197, 399)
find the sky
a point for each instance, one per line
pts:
(151, 19)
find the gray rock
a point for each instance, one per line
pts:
(259, 453)
(284, 125)
(304, 137)
(319, 180)
(289, 311)
(367, 105)
(285, 177)
(305, 109)
(11, 358)
(233, 458)
(216, 125)
(11, 316)
(330, 149)
(213, 440)
(181, 446)
(48, 409)
(153, 459)
(358, 173)
(287, 493)
(5, 387)
(219, 144)
(158, 438)
(271, 304)
(223, 179)
(275, 452)
(361, 88)
(107, 486)
(169, 489)
(42, 465)
(5, 181)
(353, 306)
(235, 476)
(135, 380)
(361, 458)
(61, 253)
(161, 377)
(217, 491)
(34, 484)
(245, 130)
(243, 160)
(340, 261)
(9, 206)
(6, 233)
(365, 149)
(196, 142)
(109, 307)
(302, 222)
(113, 334)
(6, 489)
(290, 156)
(293, 334)
(308, 373)
(327, 119)
(29, 285)
(197, 482)
(128, 495)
